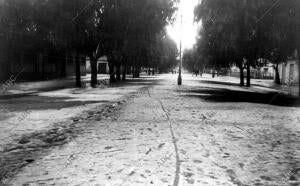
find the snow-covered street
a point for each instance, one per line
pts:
(152, 132)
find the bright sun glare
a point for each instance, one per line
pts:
(189, 28)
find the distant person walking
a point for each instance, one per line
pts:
(196, 73)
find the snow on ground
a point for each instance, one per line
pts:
(239, 143)
(205, 132)
(20, 115)
(34, 86)
(261, 85)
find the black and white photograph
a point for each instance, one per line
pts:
(149, 93)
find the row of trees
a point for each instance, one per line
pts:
(129, 32)
(246, 33)
(193, 61)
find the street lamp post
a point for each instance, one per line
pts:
(179, 80)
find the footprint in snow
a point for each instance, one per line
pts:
(197, 161)
(266, 178)
(190, 181)
(241, 165)
(131, 173)
(161, 145)
(182, 151)
(108, 147)
(188, 174)
(206, 154)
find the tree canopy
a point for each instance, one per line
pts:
(128, 32)
(241, 32)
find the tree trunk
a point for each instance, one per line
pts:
(94, 72)
(248, 75)
(43, 67)
(138, 71)
(277, 78)
(133, 69)
(242, 82)
(124, 73)
(112, 77)
(213, 74)
(78, 74)
(118, 72)
(298, 56)
(149, 71)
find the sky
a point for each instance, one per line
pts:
(189, 28)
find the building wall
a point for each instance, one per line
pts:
(265, 72)
(102, 65)
(289, 72)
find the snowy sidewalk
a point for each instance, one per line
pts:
(19, 88)
(257, 84)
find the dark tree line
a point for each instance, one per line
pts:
(193, 61)
(131, 33)
(246, 33)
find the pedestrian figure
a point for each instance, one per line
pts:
(195, 72)
(213, 74)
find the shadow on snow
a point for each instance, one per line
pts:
(227, 95)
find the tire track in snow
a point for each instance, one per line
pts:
(176, 179)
